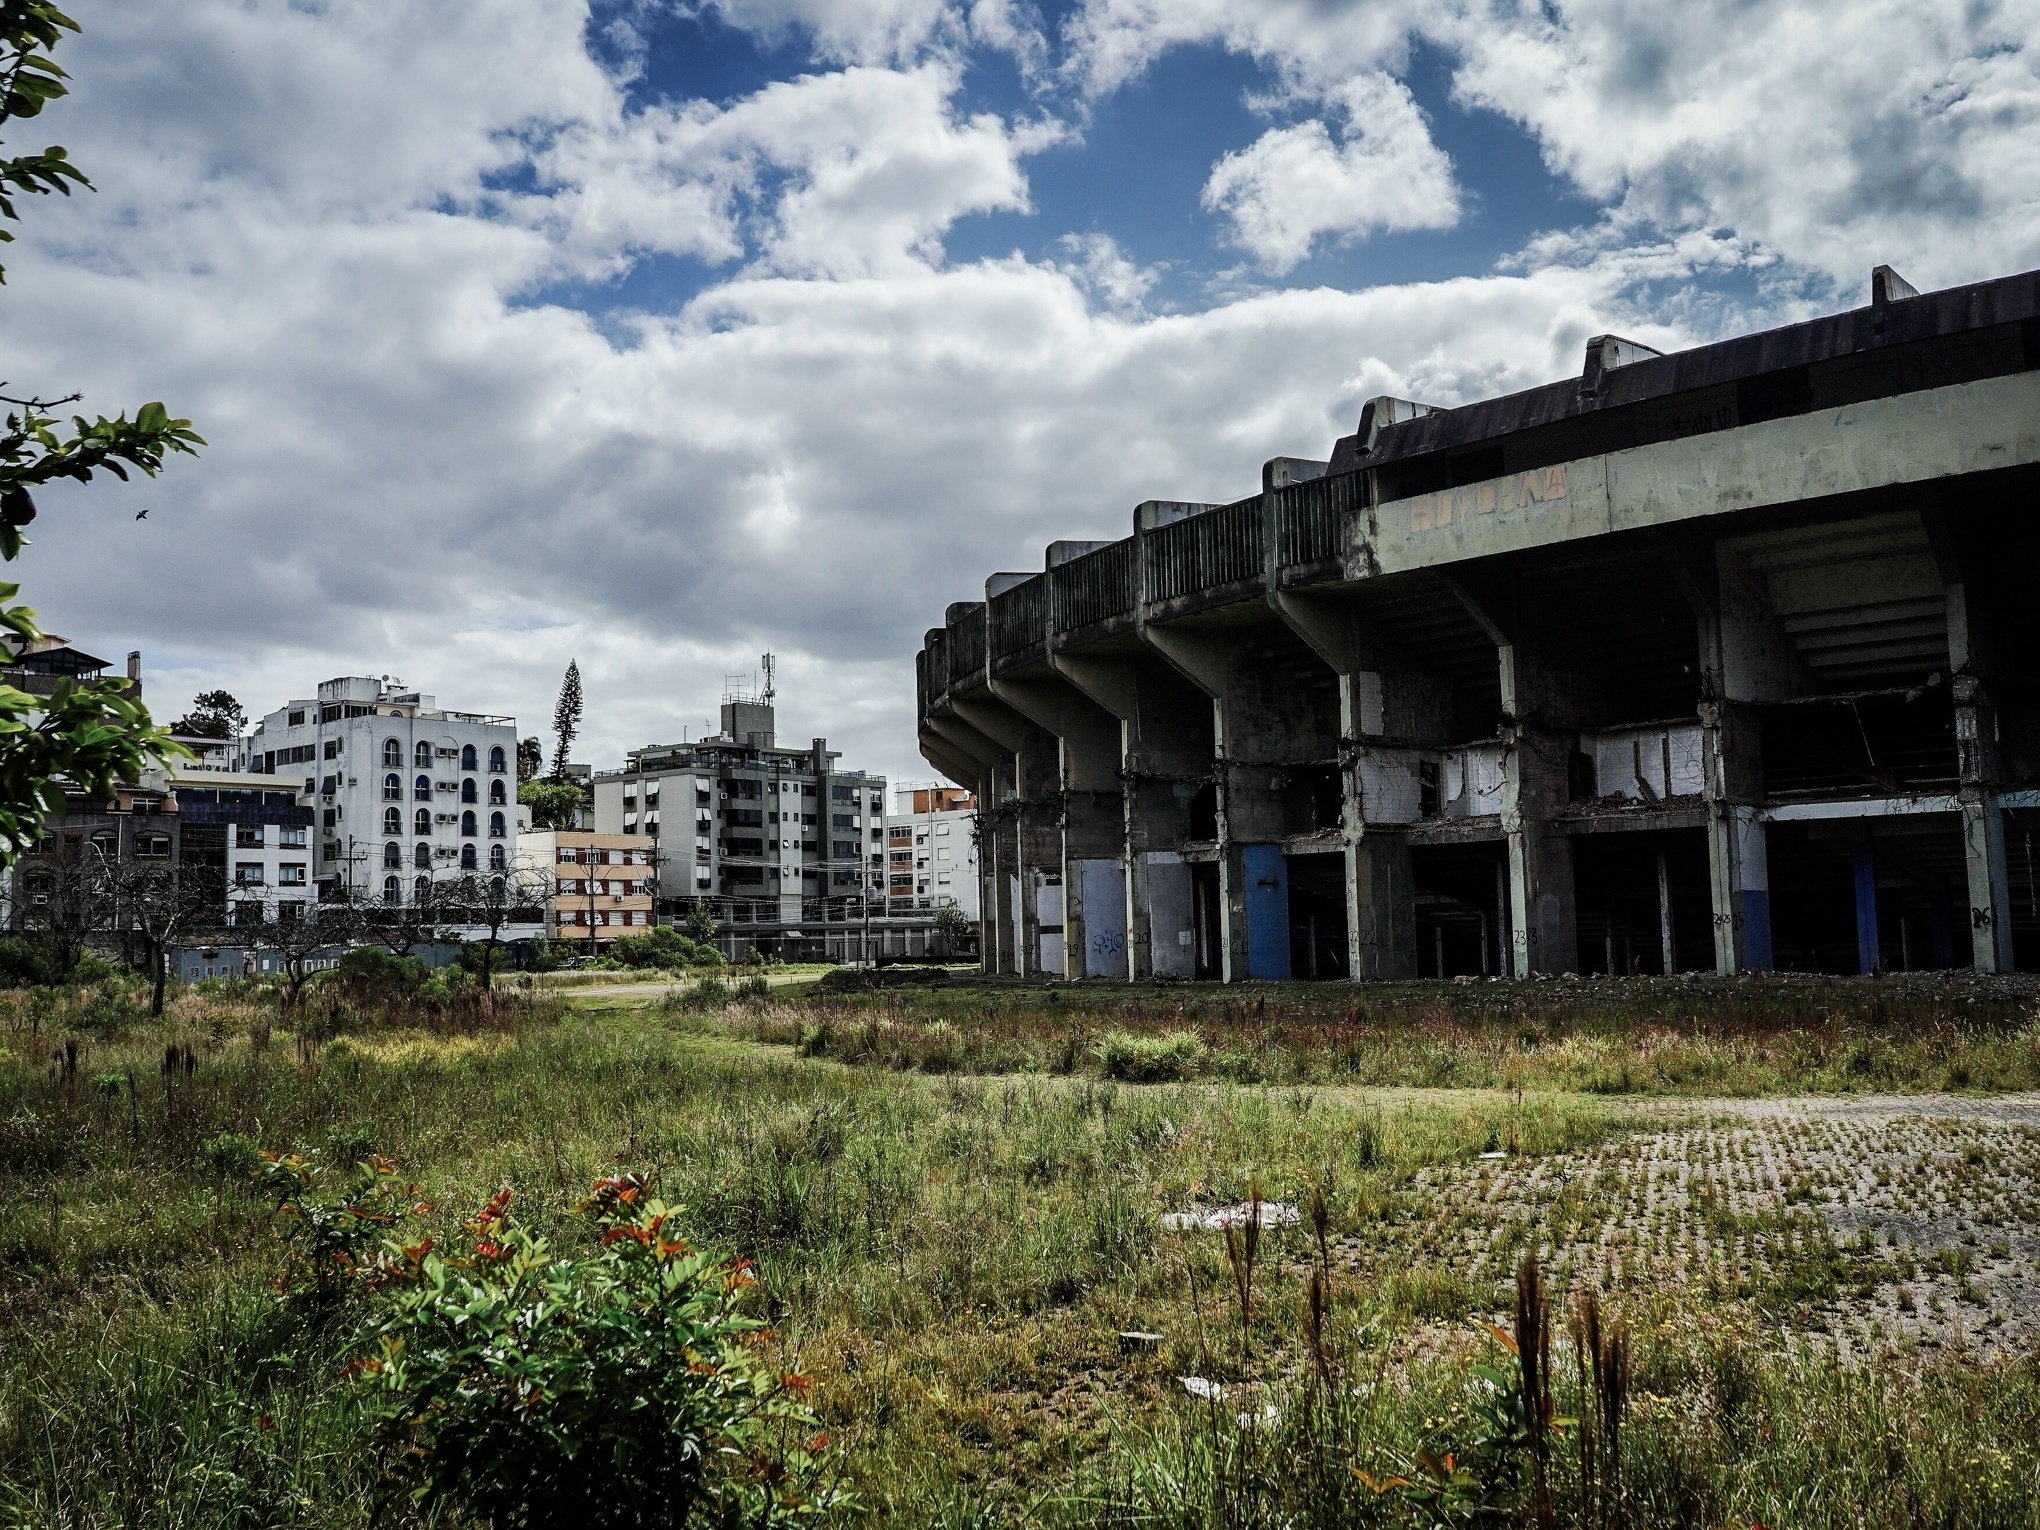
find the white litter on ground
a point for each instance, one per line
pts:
(1273, 1214)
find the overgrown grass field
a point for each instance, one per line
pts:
(1692, 1036)
(963, 1240)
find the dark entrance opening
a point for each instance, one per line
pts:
(1850, 895)
(1317, 916)
(1631, 889)
(1461, 903)
(2022, 862)
(1204, 911)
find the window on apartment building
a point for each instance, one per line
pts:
(290, 874)
(496, 794)
(421, 789)
(393, 788)
(421, 857)
(290, 839)
(497, 860)
(468, 792)
(467, 825)
(467, 757)
(296, 720)
(467, 858)
(421, 755)
(248, 874)
(392, 752)
(392, 855)
(332, 749)
(421, 888)
(247, 915)
(496, 830)
(392, 821)
(422, 821)
(247, 836)
(392, 889)
(152, 846)
(496, 759)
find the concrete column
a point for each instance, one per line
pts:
(1093, 820)
(1379, 699)
(1259, 734)
(1979, 782)
(1549, 691)
(1979, 765)
(1164, 754)
(1030, 835)
(989, 775)
(1747, 658)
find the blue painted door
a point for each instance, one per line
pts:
(1267, 878)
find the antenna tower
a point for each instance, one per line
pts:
(765, 663)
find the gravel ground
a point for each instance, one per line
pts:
(1864, 1221)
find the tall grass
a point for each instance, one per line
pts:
(954, 1257)
(1642, 1037)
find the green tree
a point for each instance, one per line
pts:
(701, 921)
(97, 733)
(553, 804)
(567, 717)
(530, 757)
(213, 714)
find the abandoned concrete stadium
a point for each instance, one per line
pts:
(1724, 659)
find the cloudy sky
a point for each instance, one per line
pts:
(660, 333)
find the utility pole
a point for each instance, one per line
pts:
(588, 881)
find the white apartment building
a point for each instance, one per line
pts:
(405, 792)
(931, 850)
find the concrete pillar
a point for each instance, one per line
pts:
(1093, 820)
(1380, 698)
(1029, 835)
(1550, 689)
(1164, 755)
(1259, 733)
(1978, 788)
(1747, 658)
(1978, 757)
(990, 765)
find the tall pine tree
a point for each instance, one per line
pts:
(567, 718)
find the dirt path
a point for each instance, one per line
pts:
(658, 990)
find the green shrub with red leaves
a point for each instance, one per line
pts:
(624, 1388)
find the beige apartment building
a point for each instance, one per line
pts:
(601, 885)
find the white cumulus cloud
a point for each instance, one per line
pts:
(1294, 183)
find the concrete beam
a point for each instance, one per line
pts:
(1879, 443)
